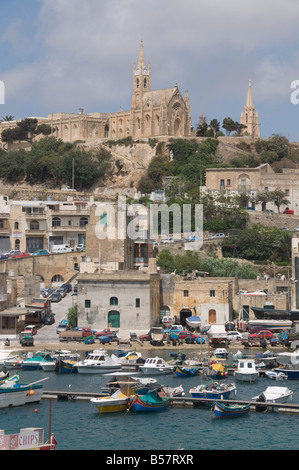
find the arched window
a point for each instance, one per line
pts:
(16, 225)
(1, 223)
(57, 278)
(137, 82)
(34, 225)
(83, 221)
(145, 83)
(17, 244)
(56, 222)
(138, 123)
(113, 301)
(106, 130)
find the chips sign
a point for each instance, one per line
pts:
(19, 441)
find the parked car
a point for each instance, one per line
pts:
(231, 335)
(80, 247)
(12, 252)
(40, 252)
(49, 319)
(296, 229)
(168, 240)
(30, 329)
(55, 297)
(288, 211)
(262, 334)
(217, 235)
(67, 286)
(145, 337)
(62, 292)
(187, 334)
(63, 326)
(26, 339)
(20, 255)
(193, 238)
(3, 257)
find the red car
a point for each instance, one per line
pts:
(187, 334)
(262, 334)
(21, 255)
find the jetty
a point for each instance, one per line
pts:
(182, 402)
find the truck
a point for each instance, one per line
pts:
(217, 334)
(77, 334)
(156, 336)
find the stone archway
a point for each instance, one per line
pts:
(184, 313)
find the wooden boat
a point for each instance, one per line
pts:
(216, 370)
(231, 410)
(186, 371)
(172, 391)
(246, 371)
(212, 389)
(140, 385)
(16, 394)
(150, 402)
(275, 314)
(118, 401)
(65, 366)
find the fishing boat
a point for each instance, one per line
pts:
(212, 389)
(118, 401)
(97, 362)
(167, 321)
(65, 366)
(13, 393)
(270, 324)
(186, 371)
(275, 314)
(122, 356)
(275, 395)
(48, 366)
(217, 370)
(193, 322)
(11, 359)
(246, 371)
(140, 385)
(172, 391)
(156, 366)
(231, 410)
(34, 362)
(150, 402)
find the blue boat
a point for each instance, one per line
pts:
(152, 401)
(292, 374)
(212, 389)
(231, 410)
(186, 371)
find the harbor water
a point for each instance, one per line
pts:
(78, 425)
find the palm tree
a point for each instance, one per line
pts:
(8, 118)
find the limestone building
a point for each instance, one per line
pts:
(249, 117)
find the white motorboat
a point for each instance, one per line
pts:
(221, 353)
(271, 374)
(270, 324)
(13, 393)
(122, 356)
(156, 366)
(193, 322)
(275, 395)
(246, 371)
(167, 321)
(11, 359)
(97, 362)
(49, 366)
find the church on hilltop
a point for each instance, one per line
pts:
(153, 113)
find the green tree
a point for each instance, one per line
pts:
(72, 316)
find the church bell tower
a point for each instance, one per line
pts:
(141, 79)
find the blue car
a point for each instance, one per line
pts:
(40, 252)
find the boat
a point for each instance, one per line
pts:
(167, 321)
(229, 325)
(11, 359)
(231, 410)
(221, 353)
(48, 366)
(65, 366)
(150, 402)
(140, 385)
(13, 393)
(216, 370)
(275, 314)
(288, 364)
(214, 390)
(122, 356)
(246, 371)
(172, 391)
(270, 374)
(118, 401)
(97, 362)
(27, 439)
(193, 322)
(186, 371)
(156, 366)
(275, 395)
(34, 362)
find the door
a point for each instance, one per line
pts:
(184, 313)
(114, 319)
(212, 316)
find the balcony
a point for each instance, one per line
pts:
(69, 228)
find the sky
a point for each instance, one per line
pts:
(62, 55)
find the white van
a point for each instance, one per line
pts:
(61, 249)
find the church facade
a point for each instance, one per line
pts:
(153, 113)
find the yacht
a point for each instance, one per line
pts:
(97, 362)
(275, 395)
(155, 366)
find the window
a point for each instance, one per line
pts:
(87, 303)
(221, 183)
(57, 278)
(34, 225)
(228, 182)
(137, 82)
(137, 302)
(212, 293)
(145, 83)
(287, 192)
(83, 221)
(186, 293)
(113, 301)
(1, 223)
(56, 222)
(16, 225)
